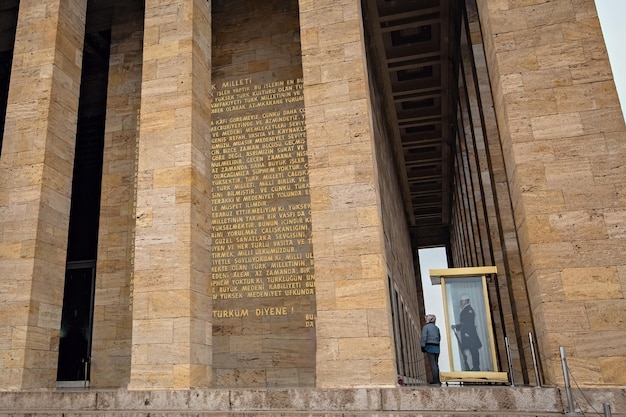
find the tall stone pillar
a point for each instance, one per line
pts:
(35, 188)
(111, 342)
(562, 135)
(171, 330)
(354, 344)
(515, 316)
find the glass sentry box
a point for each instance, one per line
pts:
(471, 346)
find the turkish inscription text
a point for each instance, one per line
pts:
(261, 212)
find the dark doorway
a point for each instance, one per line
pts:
(82, 246)
(8, 25)
(76, 323)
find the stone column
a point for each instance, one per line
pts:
(516, 319)
(562, 134)
(35, 188)
(111, 342)
(171, 330)
(354, 344)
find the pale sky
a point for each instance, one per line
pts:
(433, 303)
(612, 14)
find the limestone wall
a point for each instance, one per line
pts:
(485, 190)
(354, 343)
(560, 127)
(111, 343)
(403, 283)
(171, 306)
(262, 275)
(35, 188)
(184, 298)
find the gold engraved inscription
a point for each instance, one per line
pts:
(260, 204)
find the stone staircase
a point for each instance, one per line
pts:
(417, 401)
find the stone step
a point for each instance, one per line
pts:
(451, 401)
(159, 413)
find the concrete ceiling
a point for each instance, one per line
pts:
(413, 47)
